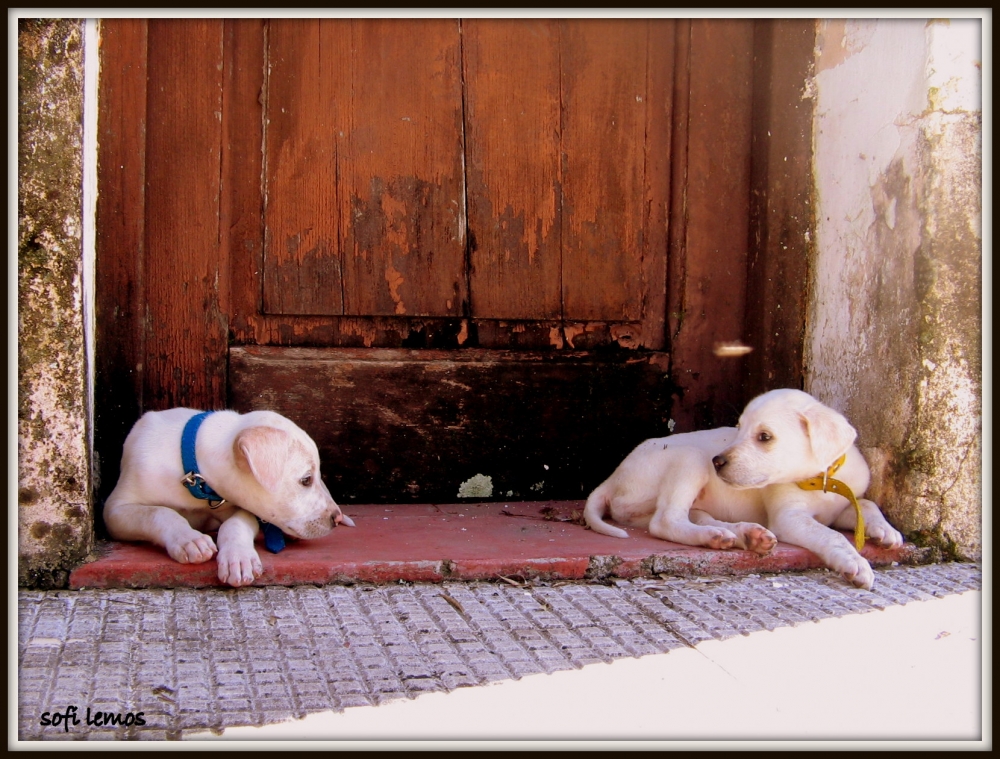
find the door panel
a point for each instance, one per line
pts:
(364, 193)
(565, 214)
(513, 132)
(373, 128)
(539, 425)
(605, 96)
(308, 74)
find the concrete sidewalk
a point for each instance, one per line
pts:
(386, 662)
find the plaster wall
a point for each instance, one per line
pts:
(55, 506)
(894, 330)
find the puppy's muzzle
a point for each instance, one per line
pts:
(317, 528)
(331, 519)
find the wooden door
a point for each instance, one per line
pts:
(444, 247)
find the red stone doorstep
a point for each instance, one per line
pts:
(470, 541)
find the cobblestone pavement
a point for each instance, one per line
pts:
(189, 660)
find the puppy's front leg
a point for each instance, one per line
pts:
(798, 527)
(162, 526)
(239, 563)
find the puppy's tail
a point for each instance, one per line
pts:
(594, 511)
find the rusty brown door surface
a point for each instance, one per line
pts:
(444, 247)
(513, 171)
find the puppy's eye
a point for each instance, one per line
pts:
(306, 481)
(764, 437)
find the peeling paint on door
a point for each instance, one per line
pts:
(394, 280)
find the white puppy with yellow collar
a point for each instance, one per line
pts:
(752, 485)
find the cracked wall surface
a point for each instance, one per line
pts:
(55, 512)
(895, 330)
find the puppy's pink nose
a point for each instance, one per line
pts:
(718, 462)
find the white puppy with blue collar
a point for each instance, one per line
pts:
(185, 473)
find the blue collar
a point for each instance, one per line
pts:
(192, 479)
(274, 538)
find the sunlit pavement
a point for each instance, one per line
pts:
(906, 673)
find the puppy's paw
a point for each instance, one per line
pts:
(759, 539)
(719, 538)
(193, 548)
(239, 567)
(856, 570)
(879, 530)
(885, 536)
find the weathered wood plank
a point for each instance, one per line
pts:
(306, 95)
(712, 291)
(513, 130)
(402, 197)
(442, 333)
(677, 225)
(398, 425)
(660, 117)
(604, 90)
(781, 213)
(120, 238)
(185, 339)
(242, 221)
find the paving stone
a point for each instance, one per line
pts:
(193, 660)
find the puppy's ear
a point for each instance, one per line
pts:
(829, 433)
(262, 452)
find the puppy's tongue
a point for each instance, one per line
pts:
(346, 520)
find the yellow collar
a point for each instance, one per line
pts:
(827, 484)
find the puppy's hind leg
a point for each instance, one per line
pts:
(671, 523)
(672, 518)
(682, 480)
(750, 536)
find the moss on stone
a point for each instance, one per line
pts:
(55, 514)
